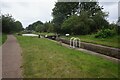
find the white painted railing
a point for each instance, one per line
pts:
(74, 41)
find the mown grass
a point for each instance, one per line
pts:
(43, 58)
(110, 42)
(3, 38)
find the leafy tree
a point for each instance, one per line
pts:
(39, 28)
(115, 27)
(19, 26)
(9, 25)
(100, 21)
(69, 24)
(34, 25)
(0, 24)
(91, 7)
(48, 27)
(62, 11)
(77, 24)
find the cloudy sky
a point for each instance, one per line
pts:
(29, 11)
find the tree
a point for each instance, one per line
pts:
(100, 21)
(91, 7)
(62, 11)
(9, 25)
(77, 24)
(115, 27)
(48, 27)
(19, 26)
(34, 25)
(0, 24)
(39, 28)
(69, 24)
(96, 14)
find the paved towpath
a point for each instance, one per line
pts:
(11, 58)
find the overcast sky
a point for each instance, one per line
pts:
(29, 11)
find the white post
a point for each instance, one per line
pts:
(77, 40)
(74, 41)
(79, 43)
(71, 41)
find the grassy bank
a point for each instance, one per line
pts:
(3, 38)
(43, 58)
(111, 42)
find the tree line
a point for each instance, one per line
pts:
(10, 25)
(39, 26)
(76, 18)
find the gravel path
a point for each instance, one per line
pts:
(11, 58)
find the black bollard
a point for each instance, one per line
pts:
(38, 36)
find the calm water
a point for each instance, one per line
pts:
(29, 35)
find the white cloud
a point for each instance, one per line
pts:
(112, 8)
(119, 9)
(28, 12)
(108, 0)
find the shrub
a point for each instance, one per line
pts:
(77, 25)
(104, 33)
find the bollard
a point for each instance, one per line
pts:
(38, 36)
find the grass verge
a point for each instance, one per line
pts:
(3, 38)
(43, 58)
(110, 42)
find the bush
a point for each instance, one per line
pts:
(105, 33)
(77, 25)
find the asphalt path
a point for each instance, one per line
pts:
(11, 58)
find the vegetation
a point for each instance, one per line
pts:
(73, 18)
(9, 25)
(3, 38)
(110, 41)
(62, 11)
(35, 25)
(40, 27)
(43, 58)
(105, 33)
(81, 19)
(77, 24)
(85, 19)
